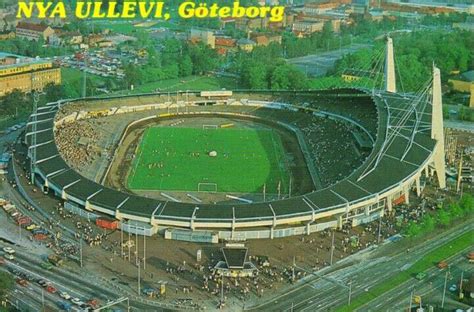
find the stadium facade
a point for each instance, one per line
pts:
(409, 143)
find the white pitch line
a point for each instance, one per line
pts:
(170, 197)
(248, 201)
(194, 198)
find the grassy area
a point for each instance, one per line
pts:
(73, 78)
(444, 251)
(178, 159)
(188, 83)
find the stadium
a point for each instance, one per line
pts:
(234, 165)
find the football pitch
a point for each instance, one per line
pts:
(179, 159)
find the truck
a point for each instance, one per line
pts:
(149, 292)
(64, 305)
(24, 221)
(54, 259)
(46, 265)
(31, 227)
(39, 231)
(9, 207)
(93, 303)
(470, 257)
(442, 265)
(107, 223)
(40, 236)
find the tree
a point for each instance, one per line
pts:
(256, 75)
(328, 32)
(204, 58)
(455, 210)
(413, 229)
(6, 283)
(428, 223)
(133, 75)
(13, 103)
(53, 92)
(280, 79)
(444, 218)
(298, 79)
(185, 66)
(467, 203)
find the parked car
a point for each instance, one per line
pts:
(77, 301)
(46, 265)
(8, 250)
(65, 295)
(51, 289)
(453, 288)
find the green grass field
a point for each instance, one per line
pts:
(178, 159)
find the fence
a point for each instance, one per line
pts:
(259, 234)
(80, 211)
(138, 228)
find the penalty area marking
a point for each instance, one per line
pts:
(206, 184)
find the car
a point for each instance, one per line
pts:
(420, 276)
(29, 277)
(51, 289)
(65, 295)
(77, 301)
(9, 257)
(8, 250)
(93, 303)
(22, 282)
(31, 227)
(453, 288)
(46, 265)
(42, 282)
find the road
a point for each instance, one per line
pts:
(318, 64)
(318, 293)
(459, 125)
(78, 283)
(430, 288)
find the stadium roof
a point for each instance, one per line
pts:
(403, 143)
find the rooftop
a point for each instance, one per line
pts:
(21, 60)
(31, 26)
(384, 168)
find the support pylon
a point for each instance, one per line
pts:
(389, 72)
(437, 132)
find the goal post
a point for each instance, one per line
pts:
(210, 126)
(207, 187)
